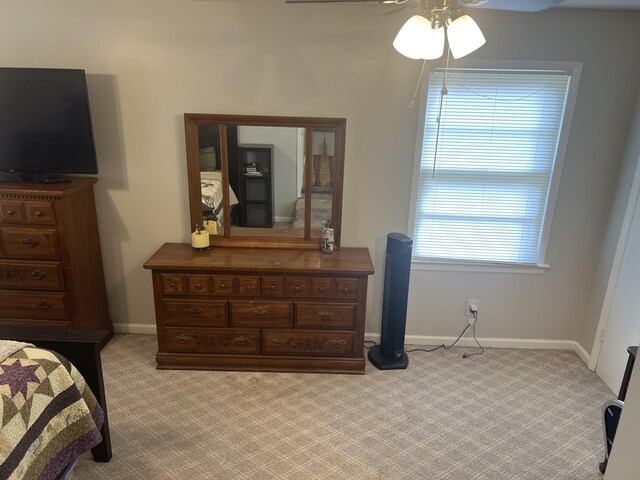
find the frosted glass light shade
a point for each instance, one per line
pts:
(416, 39)
(464, 36)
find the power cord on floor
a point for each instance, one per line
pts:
(474, 312)
(369, 346)
(473, 323)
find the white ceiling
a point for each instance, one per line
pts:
(597, 4)
(609, 4)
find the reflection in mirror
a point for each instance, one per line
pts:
(211, 185)
(323, 154)
(265, 181)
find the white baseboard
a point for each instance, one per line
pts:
(582, 353)
(537, 344)
(143, 328)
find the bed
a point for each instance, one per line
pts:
(49, 415)
(320, 210)
(211, 190)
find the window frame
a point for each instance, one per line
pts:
(439, 264)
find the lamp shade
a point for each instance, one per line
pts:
(416, 39)
(464, 36)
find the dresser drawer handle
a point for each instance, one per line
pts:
(242, 340)
(30, 242)
(198, 286)
(195, 311)
(345, 290)
(38, 213)
(261, 313)
(279, 341)
(297, 288)
(44, 304)
(272, 286)
(38, 275)
(326, 315)
(321, 289)
(337, 343)
(223, 285)
(182, 338)
(247, 287)
(10, 212)
(172, 285)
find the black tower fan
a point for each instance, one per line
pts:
(390, 353)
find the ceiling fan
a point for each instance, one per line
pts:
(514, 5)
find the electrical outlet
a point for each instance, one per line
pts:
(467, 309)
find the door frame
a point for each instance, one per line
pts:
(605, 312)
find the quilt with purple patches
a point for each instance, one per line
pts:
(48, 415)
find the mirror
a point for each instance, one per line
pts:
(259, 181)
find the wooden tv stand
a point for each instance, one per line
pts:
(51, 272)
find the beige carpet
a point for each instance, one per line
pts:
(508, 414)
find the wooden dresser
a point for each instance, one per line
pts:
(51, 270)
(260, 309)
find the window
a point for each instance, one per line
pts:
(489, 157)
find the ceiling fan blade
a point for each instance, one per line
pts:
(513, 5)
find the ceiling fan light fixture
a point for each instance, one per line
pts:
(464, 36)
(418, 40)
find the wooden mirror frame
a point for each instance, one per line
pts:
(194, 120)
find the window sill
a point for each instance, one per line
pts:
(419, 264)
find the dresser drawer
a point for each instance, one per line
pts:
(197, 313)
(297, 287)
(248, 286)
(272, 286)
(198, 284)
(298, 342)
(12, 211)
(41, 243)
(325, 315)
(33, 305)
(32, 212)
(223, 285)
(172, 284)
(261, 314)
(320, 287)
(40, 213)
(212, 340)
(347, 288)
(31, 276)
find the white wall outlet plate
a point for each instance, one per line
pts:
(470, 302)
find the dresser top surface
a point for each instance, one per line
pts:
(47, 189)
(182, 256)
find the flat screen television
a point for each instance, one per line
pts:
(45, 125)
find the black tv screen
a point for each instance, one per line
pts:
(45, 122)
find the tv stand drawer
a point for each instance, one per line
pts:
(25, 242)
(29, 212)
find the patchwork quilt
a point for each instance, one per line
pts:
(48, 415)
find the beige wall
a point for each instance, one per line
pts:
(595, 304)
(550, 306)
(149, 61)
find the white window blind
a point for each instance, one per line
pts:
(485, 198)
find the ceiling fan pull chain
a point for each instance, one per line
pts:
(443, 92)
(415, 92)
